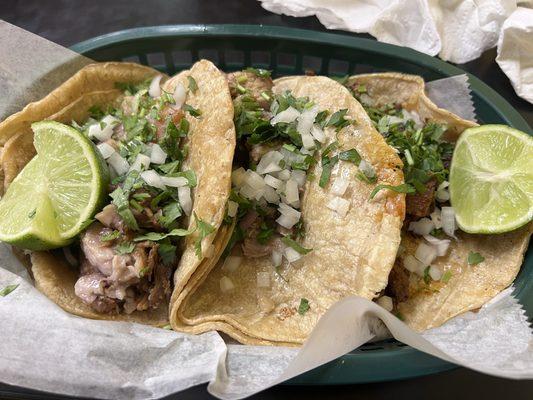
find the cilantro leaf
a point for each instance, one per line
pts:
(403, 188)
(171, 212)
(262, 73)
(350, 155)
(191, 110)
(446, 276)
(338, 121)
(295, 245)
(167, 252)
(474, 258)
(327, 166)
(8, 289)
(125, 247)
(155, 236)
(265, 233)
(304, 306)
(427, 277)
(121, 201)
(193, 86)
(106, 237)
(205, 230)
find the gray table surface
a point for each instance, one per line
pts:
(67, 22)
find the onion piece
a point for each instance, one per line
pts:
(385, 302)
(177, 181)
(422, 227)
(248, 192)
(367, 169)
(447, 216)
(232, 263)
(270, 195)
(291, 157)
(254, 180)
(232, 208)
(273, 182)
(119, 164)
(435, 218)
(152, 178)
(179, 95)
(106, 150)
(284, 175)
(318, 134)
(291, 191)
(237, 176)
(339, 205)
(155, 89)
(141, 161)
(442, 195)
(105, 133)
(284, 209)
(308, 141)
(440, 244)
(287, 221)
(158, 155)
(291, 255)
(305, 122)
(426, 254)
(269, 162)
(226, 285)
(339, 186)
(276, 258)
(287, 116)
(298, 176)
(263, 279)
(184, 197)
(435, 273)
(411, 264)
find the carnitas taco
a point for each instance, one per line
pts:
(441, 271)
(307, 232)
(159, 163)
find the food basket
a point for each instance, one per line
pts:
(288, 51)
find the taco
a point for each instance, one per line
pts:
(439, 272)
(306, 233)
(169, 155)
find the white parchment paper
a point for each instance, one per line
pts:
(44, 348)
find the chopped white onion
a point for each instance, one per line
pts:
(318, 134)
(105, 133)
(284, 175)
(273, 182)
(291, 191)
(176, 181)
(385, 302)
(443, 185)
(263, 279)
(179, 95)
(426, 254)
(276, 258)
(284, 209)
(287, 221)
(158, 155)
(152, 178)
(305, 122)
(339, 186)
(435, 218)
(339, 205)
(119, 164)
(303, 150)
(435, 273)
(270, 195)
(442, 195)
(232, 208)
(232, 263)
(411, 264)
(422, 227)
(226, 285)
(155, 89)
(298, 176)
(394, 120)
(291, 157)
(254, 180)
(105, 150)
(414, 116)
(140, 161)
(366, 99)
(237, 176)
(291, 255)
(308, 141)
(367, 169)
(287, 116)
(447, 216)
(248, 192)
(184, 197)
(269, 162)
(440, 244)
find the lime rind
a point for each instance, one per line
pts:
(491, 179)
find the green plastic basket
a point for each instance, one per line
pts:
(288, 51)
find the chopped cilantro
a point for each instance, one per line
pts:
(361, 89)
(189, 175)
(265, 233)
(193, 86)
(32, 213)
(475, 258)
(350, 155)
(120, 200)
(446, 276)
(260, 72)
(295, 245)
(427, 277)
(438, 233)
(155, 236)
(367, 179)
(327, 166)
(338, 120)
(403, 188)
(204, 230)
(167, 252)
(8, 289)
(304, 306)
(106, 237)
(167, 327)
(191, 110)
(125, 247)
(171, 212)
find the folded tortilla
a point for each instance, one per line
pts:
(423, 306)
(351, 255)
(211, 143)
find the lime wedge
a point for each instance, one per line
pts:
(52, 199)
(491, 179)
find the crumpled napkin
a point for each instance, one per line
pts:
(515, 51)
(456, 30)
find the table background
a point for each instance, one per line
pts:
(67, 22)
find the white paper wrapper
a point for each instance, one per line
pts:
(44, 348)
